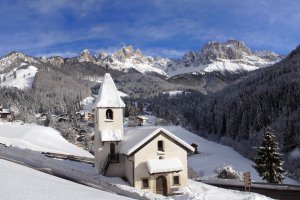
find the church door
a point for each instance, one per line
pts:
(112, 152)
(161, 185)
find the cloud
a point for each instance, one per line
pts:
(64, 54)
(81, 8)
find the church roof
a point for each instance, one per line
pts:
(108, 95)
(138, 137)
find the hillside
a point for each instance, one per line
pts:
(237, 115)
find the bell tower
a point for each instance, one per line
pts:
(109, 123)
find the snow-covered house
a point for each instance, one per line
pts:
(149, 158)
(5, 114)
(142, 120)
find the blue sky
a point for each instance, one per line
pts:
(157, 27)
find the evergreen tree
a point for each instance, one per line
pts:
(268, 163)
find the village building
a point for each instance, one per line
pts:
(149, 158)
(5, 114)
(142, 120)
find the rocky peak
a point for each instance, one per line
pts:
(14, 58)
(191, 58)
(126, 53)
(85, 56)
(103, 55)
(56, 60)
(231, 49)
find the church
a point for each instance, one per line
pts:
(149, 158)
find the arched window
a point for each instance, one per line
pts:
(109, 114)
(160, 145)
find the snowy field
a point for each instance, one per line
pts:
(37, 138)
(19, 182)
(24, 78)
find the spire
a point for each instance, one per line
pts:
(108, 95)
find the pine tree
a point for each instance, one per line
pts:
(268, 163)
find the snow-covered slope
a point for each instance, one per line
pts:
(213, 156)
(20, 182)
(19, 78)
(37, 138)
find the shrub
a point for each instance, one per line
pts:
(227, 172)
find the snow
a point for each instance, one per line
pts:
(203, 191)
(45, 187)
(37, 138)
(136, 137)
(24, 78)
(88, 103)
(122, 94)
(87, 174)
(25, 183)
(213, 156)
(295, 154)
(108, 94)
(164, 165)
(173, 93)
(249, 63)
(111, 135)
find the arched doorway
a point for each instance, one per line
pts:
(161, 185)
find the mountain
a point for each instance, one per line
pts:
(15, 59)
(231, 56)
(129, 58)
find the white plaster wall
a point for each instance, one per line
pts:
(106, 124)
(102, 149)
(171, 150)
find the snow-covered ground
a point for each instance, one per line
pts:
(37, 138)
(213, 156)
(24, 78)
(20, 182)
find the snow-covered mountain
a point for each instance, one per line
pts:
(231, 56)
(127, 58)
(15, 59)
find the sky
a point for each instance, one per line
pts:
(166, 28)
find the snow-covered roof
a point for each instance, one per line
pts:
(108, 94)
(164, 165)
(5, 111)
(139, 136)
(111, 135)
(142, 117)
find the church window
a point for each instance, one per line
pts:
(160, 145)
(176, 180)
(145, 183)
(109, 114)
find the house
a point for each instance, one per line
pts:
(149, 158)
(142, 120)
(85, 115)
(5, 114)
